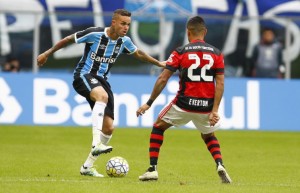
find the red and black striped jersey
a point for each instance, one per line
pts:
(198, 63)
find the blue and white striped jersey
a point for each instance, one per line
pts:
(100, 51)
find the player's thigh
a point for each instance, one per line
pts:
(173, 115)
(201, 122)
(109, 110)
(108, 125)
(99, 94)
(84, 84)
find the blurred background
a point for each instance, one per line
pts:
(28, 27)
(31, 95)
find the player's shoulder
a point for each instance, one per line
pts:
(216, 50)
(91, 30)
(95, 29)
(126, 39)
(180, 50)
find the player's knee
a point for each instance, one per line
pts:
(108, 130)
(103, 97)
(159, 123)
(206, 136)
(99, 94)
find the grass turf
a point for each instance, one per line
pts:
(36, 159)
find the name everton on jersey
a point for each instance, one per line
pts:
(198, 102)
(195, 104)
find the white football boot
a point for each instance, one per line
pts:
(151, 174)
(85, 171)
(100, 149)
(223, 174)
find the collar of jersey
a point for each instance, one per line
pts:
(197, 40)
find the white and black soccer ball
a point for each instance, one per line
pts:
(117, 167)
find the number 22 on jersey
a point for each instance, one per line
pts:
(196, 65)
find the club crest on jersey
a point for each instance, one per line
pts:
(94, 81)
(102, 46)
(117, 49)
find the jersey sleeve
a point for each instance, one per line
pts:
(84, 36)
(219, 64)
(173, 61)
(129, 47)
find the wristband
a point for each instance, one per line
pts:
(149, 102)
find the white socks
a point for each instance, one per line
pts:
(97, 121)
(98, 135)
(90, 161)
(104, 138)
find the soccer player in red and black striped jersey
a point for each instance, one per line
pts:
(201, 86)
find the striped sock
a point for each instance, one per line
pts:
(213, 147)
(156, 140)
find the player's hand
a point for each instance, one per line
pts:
(142, 110)
(163, 64)
(213, 118)
(42, 59)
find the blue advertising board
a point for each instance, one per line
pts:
(49, 99)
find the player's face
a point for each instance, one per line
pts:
(121, 25)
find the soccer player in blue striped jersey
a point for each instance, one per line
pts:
(102, 48)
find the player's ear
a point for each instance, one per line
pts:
(205, 31)
(188, 34)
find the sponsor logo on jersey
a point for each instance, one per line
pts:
(101, 59)
(198, 47)
(170, 59)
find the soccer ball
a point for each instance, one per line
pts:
(117, 167)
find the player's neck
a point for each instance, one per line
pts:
(196, 39)
(113, 35)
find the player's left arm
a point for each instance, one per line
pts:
(141, 55)
(157, 89)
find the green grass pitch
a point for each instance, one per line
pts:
(36, 159)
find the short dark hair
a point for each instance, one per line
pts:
(122, 12)
(196, 24)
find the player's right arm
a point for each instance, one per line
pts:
(158, 87)
(214, 115)
(172, 65)
(219, 90)
(42, 58)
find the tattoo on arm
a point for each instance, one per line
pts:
(62, 43)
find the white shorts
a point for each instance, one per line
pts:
(175, 116)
